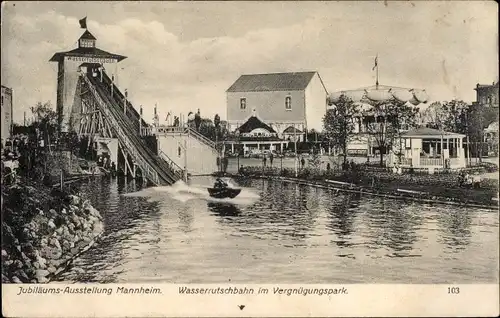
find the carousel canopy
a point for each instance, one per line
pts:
(379, 93)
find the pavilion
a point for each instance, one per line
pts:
(365, 98)
(253, 135)
(431, 148)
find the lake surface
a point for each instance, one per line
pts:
(282, 232)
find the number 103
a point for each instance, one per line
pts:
(453, 290)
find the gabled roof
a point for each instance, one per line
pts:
(291, 130)
(86, 51)
(254, 123)
(87, 36)
(272, 82)
(429, 132)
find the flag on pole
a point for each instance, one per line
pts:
(376, 63)
(83, 23)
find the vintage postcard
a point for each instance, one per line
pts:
(250, 159)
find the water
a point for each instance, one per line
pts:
(279, 232)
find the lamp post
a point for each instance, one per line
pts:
(295, 149)
(140, 120)
(467, 138)
(238, 151)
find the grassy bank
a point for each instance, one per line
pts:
(442, 186)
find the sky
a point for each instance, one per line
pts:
(185, 55)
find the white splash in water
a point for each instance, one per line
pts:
(182, 192)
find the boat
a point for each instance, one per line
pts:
(222, 193)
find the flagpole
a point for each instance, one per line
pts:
(376, 64)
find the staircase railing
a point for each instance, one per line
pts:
(179, 172)
(200, 137)
(147, 169)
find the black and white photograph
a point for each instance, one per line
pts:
(292, 142)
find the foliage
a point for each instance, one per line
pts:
(456, 116)
(315, 136)
(46, 120)
(391, 118)
(339, 125)
(315, 161)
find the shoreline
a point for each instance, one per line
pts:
(44, 228)
(439, 189)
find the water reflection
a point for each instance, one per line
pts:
(393, 224)
(342, 217)
(121, 215)
(223, 209)
(454, 229)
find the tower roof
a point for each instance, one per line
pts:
(87, 35)
(87, 51)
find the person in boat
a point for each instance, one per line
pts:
(220, 184)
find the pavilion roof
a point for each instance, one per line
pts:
(423, 132)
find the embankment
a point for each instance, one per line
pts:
(43, 229)
(438, 188)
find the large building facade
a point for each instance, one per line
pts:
(487, 95)
(6, 113)
(280, 100)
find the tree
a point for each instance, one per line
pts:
(197, 120)
(217, 125)
(390, 118)
(339, 124)
(403, 117)
(447, 116)
(46, 120)
(433, 116)
(315, 161)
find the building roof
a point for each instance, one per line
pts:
(253, 138)
(7, 89)
(479, 86)
(87, 36)
(254, 123)
(429, 132)
(272, 82)
(88, 52)
(291, 130)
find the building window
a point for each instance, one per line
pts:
(243, 103)
(86, 43)
(288, 103)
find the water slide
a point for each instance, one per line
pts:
(158, 170)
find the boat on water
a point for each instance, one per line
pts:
(221, 190)
(223, 193)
